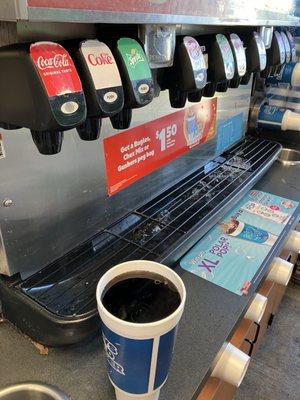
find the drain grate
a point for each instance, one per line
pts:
(153, 232)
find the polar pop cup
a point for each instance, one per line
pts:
(139, 354)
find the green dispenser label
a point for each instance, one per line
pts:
(135, 59)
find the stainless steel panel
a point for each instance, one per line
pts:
(59, 201)
(3, 260)
(12, 10)
(32, 391)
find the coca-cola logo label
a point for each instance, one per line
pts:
(58, 61)
(55, 68)
(100, 59)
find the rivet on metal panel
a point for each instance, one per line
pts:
(7, 202)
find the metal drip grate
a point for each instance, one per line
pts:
(153, 232)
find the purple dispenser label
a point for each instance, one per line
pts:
(197, 60)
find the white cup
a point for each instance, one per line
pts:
(139, 354)
(231, 366)
(257, 308)
(280, 271)
(293, 242)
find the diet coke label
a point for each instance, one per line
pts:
(100, 59)
(101, 64)
(56, 68)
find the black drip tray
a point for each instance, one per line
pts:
(162, 230)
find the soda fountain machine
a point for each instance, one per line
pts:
(151, 122)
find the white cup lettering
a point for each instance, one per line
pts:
(111, 353)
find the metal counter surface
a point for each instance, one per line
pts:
(210, 318)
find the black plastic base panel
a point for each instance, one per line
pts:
(57, 305)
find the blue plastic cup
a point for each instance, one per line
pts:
(253, 234)
(139, 354)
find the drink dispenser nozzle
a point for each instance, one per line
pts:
(159, 44)
(102, 85)
(136, 77)
(43, 92)
(256, 55)
(188, 75)
(276, 56)
(221, 66)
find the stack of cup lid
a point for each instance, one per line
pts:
(280, 271)
(293, 242)
(231, 366)
(296, 273)
(257, 308)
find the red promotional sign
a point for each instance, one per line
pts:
(135, 153)
(55, 68)
(177, 7)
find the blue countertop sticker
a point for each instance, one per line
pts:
(231, 253)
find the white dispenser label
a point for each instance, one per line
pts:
(239, 54)
(261, 51)
(101, 64)
(287, 47)
(227, 55)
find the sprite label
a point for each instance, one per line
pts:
(135, 59)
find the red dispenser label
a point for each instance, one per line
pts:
(135, 153)
(56, 68)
